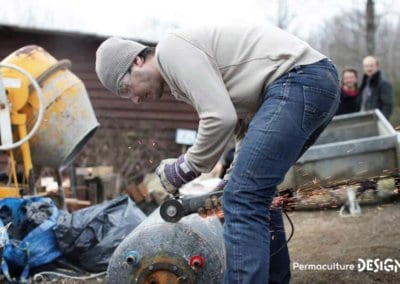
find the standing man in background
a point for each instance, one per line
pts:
(375, 90)
(230, 73)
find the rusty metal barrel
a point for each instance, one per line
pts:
(69, 120)
(157, 252)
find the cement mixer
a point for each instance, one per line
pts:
(45, 115)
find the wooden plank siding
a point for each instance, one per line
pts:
(161, 117)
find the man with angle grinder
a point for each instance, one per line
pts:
(287, 91)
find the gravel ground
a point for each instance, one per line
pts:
(323, 237)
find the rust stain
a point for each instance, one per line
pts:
(161, 277)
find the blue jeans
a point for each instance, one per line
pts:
(294, 111)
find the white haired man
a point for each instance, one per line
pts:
(376, 92)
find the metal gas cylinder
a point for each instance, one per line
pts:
(157, 252)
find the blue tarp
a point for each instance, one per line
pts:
(40, 233)
(30, 241)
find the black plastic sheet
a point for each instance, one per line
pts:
(88, 237)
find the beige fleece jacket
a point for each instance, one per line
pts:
(222, 72)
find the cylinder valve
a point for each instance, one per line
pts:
(196, 262)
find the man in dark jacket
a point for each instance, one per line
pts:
(375, 91)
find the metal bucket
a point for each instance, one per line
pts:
(69, 120)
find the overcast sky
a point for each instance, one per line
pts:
(150, 19)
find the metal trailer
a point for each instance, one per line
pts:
(353, 148)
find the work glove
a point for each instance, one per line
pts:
(173, 173)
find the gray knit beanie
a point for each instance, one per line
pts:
(113, 59)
